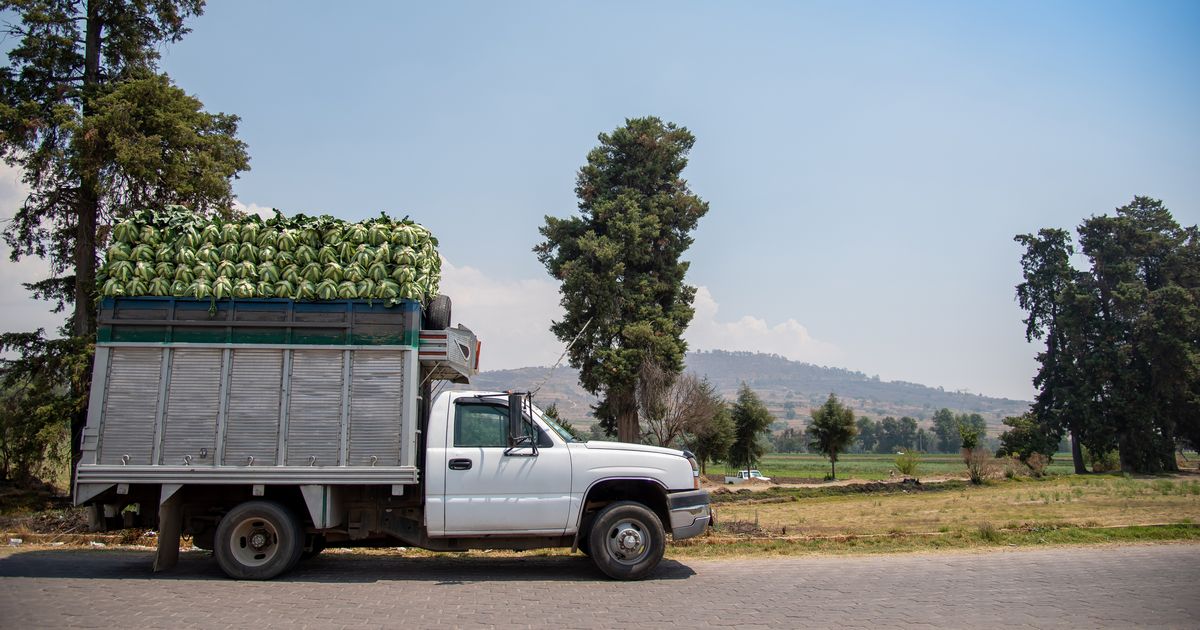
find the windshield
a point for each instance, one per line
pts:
(563, 433)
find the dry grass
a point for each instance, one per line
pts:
(1079, 501)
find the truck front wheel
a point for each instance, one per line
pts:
(257, 540)
(626, 541)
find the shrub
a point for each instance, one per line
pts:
(1013, 468)
(1037, 463)
(988, 532)
(1106, 461)
(979, 464)
(908, 462)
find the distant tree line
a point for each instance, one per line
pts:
(891, 435)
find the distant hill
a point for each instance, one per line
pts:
(782, 384)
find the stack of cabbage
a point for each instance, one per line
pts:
(176, 253)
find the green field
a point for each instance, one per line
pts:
(870, 466)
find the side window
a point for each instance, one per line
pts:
(486, 426)
(480, 425)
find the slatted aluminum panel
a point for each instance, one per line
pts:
(193, 403)
(376, 397)
(315, 408)
(252, 415)
(130, 406)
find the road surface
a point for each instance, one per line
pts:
(1090, 587)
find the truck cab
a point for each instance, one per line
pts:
(483, 482)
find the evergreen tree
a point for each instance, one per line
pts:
(946, 430)
(1026, 437)
(1121, 366)
(868, 434)
(750, 420)
(832, 430)
(713, 442)
(96, 132)
(620, 264)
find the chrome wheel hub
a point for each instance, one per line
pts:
(627, 542)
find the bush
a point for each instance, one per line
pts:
(988, 532)
(1014, 468)
(908, 462)
(1107, 461)
(1037, 463)
(979, 463)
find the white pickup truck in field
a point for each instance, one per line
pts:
(269, 429)
(746, 475)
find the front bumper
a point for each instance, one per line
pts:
(690, 513)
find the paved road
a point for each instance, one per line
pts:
(1143, 586)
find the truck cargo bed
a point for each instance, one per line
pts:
(260, 391)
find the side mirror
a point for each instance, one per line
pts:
(515, 407)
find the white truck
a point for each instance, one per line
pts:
(271, 429)
(746, 475)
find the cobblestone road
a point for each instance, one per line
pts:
(1141, 586)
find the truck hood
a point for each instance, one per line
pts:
(626, 446)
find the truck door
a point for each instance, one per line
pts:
(491, 492)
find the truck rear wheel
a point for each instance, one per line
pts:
(626, 541)
(257, 540)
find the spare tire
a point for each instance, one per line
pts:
(437, 314)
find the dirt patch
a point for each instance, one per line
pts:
(849, 486)
(36, 507)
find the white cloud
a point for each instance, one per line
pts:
(265, 212)
(21, 313)
(788, 338)
(511, 317)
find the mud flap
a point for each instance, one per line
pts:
(170, 522)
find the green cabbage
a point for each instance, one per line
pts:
(125, 232)
(243, 289)
(247, 270)
(354, 272)
(268, 272)
(174, 252)
(326, 290)
(222, 288)
(119, 251)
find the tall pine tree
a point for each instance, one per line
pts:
(620, 264)
(97, 131)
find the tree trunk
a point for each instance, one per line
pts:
(833, 470)
(87, 215)
(1077, 455)
(88, 202)
(624, 407)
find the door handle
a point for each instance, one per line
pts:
(460, 464)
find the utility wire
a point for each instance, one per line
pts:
(560, 357)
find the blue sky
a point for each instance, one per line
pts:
(867, 164)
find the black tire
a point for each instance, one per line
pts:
(626, 541)
(437, 315)
(258, 540)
